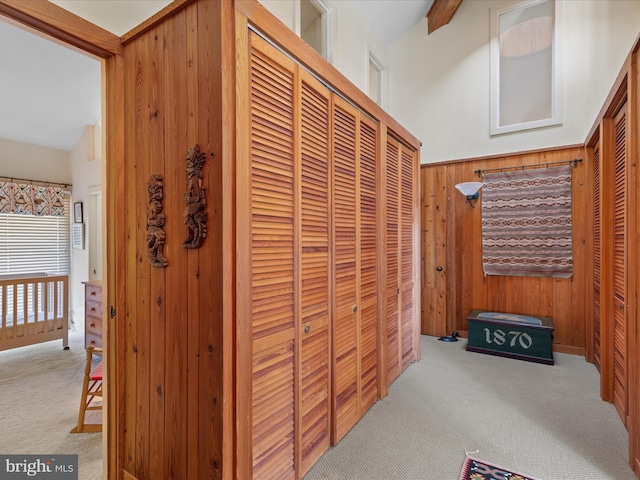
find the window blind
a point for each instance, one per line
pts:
(35, 244)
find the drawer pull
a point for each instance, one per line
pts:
(93, 325)
(93, 294)
(355, 308)
(93, 309)
(307, 329)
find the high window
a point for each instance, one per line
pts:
(315, 26)
(376, 79)
(525, 66)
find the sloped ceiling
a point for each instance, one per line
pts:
(390, 19)
(49, 93)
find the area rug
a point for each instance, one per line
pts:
(526, 223)
(475, 469)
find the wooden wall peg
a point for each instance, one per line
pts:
(155, 223)
(195, 216)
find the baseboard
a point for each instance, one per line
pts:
(569, 349)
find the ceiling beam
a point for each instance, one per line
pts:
(441, 13)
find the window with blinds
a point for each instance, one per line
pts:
(35, 244)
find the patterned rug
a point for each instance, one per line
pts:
(474, 469)
(526, 223)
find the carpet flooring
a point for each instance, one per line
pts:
(40, 387)
(547, 421)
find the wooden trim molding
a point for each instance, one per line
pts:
(508, 154)
(59, 25)
(569, 349)
(62, 25)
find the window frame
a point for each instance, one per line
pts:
(327, 16)
(63, 242)
(377, 65)
(556, 68)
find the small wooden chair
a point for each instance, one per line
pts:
(91, 388)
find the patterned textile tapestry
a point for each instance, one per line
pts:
(526, 223)
(27, 199)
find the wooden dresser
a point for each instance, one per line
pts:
(93, 313)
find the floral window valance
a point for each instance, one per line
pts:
(29, 199)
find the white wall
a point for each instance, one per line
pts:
(439, 83)
(32, 162)
(353, 39)
(86, 174)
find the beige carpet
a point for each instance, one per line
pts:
(546, 421)
(40, 388)
(541, 420)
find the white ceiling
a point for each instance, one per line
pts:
(390, 19)
(49, 93)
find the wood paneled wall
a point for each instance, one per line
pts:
(171, 338)
(453, 282)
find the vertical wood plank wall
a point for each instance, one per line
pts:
(452, 276)
(172, 327)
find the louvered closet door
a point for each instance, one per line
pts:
(597, 255)
(368, 265)
(620, 266)
(346, 375)
(393, 330)
(314, 266)
(272, 261)
(407, 179)
(400, 248)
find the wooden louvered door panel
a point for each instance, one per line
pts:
(620, 367)
(346, 375)
(272, 261)
(314, 270)
(597, 256)
(368, 266)
(393, 330)
(406, 220)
